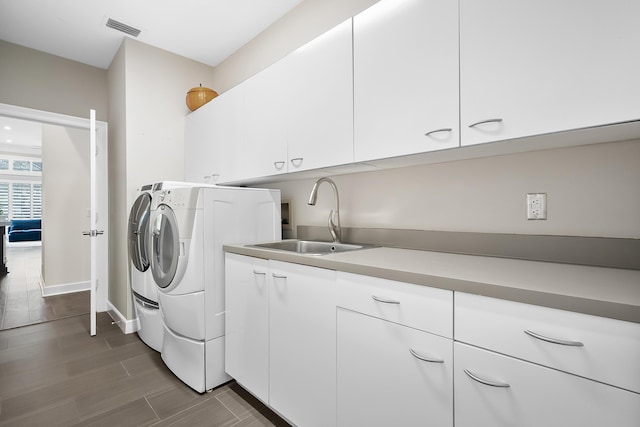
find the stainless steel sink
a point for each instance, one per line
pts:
(310, 247)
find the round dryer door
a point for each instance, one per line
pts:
(138, 232)
(165, 246)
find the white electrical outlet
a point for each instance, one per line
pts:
(537, 206)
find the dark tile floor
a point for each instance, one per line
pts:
(55, 374)
(21, 300)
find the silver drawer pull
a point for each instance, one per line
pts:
(485, 382)
(481, 122)
(424, 357)
(553, 340)
(297, 161)
(279, 164)
(278, 276)
(385, 300)
(438, 130)
(259, 272)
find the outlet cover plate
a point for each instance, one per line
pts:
(536, 206)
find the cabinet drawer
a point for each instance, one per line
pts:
(417, 306)
(603, 349)
(527, 395)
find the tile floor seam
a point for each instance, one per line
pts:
(183, 411)
(152, 408)
(228, 409)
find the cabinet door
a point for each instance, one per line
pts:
(227, 136)
(535, 396)
(320, 117)
(302, 359)
(382, 383)
(546, 66)
(265, 133)
(247, 323)
(198, 144)
(405, 78)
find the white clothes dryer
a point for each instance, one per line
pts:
(143, 287)
(189, 227)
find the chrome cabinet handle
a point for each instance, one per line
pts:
(385, 300)
(484, 381)
(279, 164)
(426, 358)
(297, 161)
(553, 340)
(481, 122)
(259, 272)
(438, 130)
(278, 276)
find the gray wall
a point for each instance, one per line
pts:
(147, 109)
(304, 23)
(591, 191)
(38, 80)
(65, 204)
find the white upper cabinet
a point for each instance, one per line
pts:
(405, 78)
(265, 134)
(535, 67)
(198, 144)
(213, 138)
(227, 136)
(320, 116)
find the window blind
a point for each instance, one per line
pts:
(25, 200)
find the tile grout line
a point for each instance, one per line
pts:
(150, 406)
(226, 407)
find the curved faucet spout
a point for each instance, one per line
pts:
(334, 216)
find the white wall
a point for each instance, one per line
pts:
(65, 205)
(592, 191)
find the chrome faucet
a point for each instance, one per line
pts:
(334, 216)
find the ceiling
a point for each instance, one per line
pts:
(207, 31)
(20, 136)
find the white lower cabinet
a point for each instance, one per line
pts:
(281, 336)
(493, 390)
(247, 323)
(325, 348)
(302, 344)
(392, 375)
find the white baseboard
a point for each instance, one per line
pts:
(66, 288)
(126, 326)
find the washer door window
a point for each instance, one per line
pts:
(165, 246)
(138, 232)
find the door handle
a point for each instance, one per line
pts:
(93, 233)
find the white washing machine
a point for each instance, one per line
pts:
(143, 287)
(145, 293)
(189, 226)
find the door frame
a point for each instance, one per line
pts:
(102, 195)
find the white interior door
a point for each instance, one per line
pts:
(98, 215)
(99, 194)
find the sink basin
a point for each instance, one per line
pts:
(309, 247)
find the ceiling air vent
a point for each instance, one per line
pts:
(127, 29)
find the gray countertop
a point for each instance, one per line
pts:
(606, 292)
